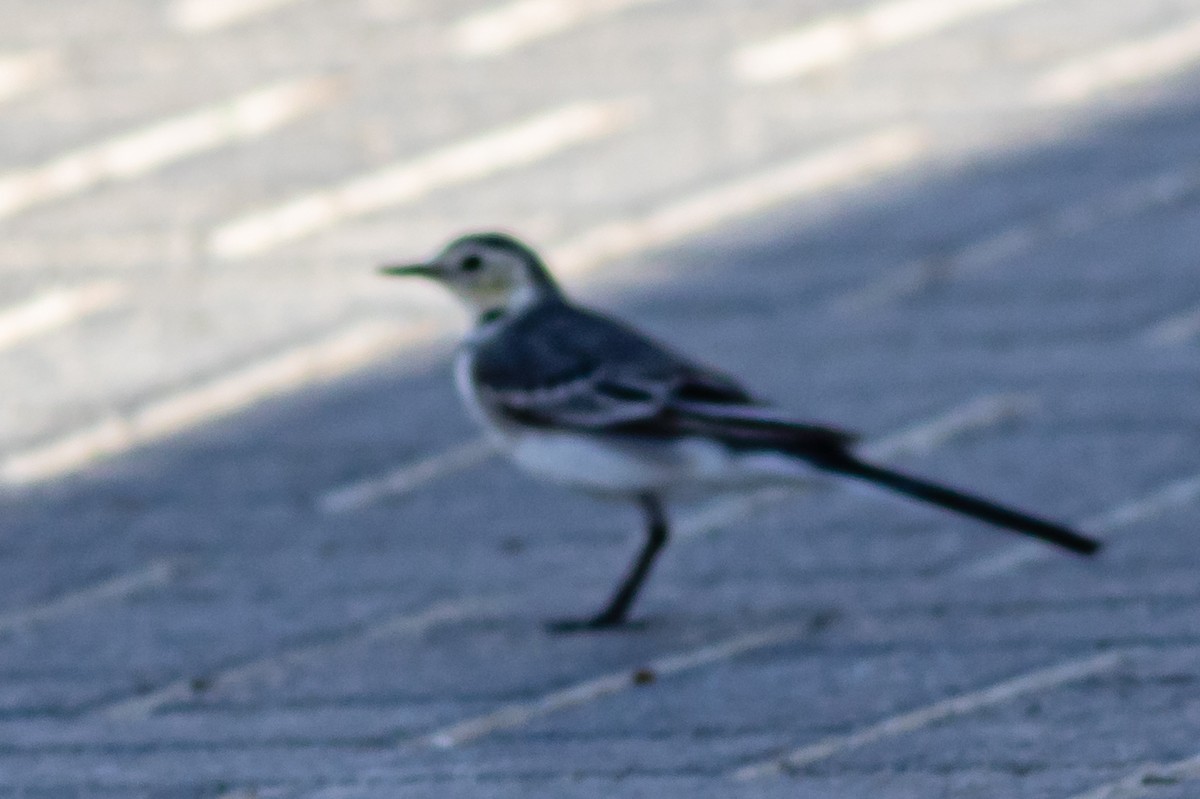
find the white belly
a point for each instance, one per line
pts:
(628, 466)
(466, 390)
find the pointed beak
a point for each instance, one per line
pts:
(409, 270)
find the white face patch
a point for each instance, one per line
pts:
(501, 281)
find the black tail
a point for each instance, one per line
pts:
(975, 507)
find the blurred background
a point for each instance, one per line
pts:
(251, 546)
(190, 187)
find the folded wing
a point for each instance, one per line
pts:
(567, 368)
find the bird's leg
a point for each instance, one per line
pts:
(617, 608)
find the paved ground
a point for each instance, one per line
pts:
(249, 547)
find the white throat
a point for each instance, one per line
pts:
(512, 303)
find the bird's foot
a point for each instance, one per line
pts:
(599, 623)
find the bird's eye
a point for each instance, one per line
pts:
(471, 263)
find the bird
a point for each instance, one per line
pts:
(579, 398)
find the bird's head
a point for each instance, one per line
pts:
(492, 273)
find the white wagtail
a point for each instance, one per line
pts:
(581, 399)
